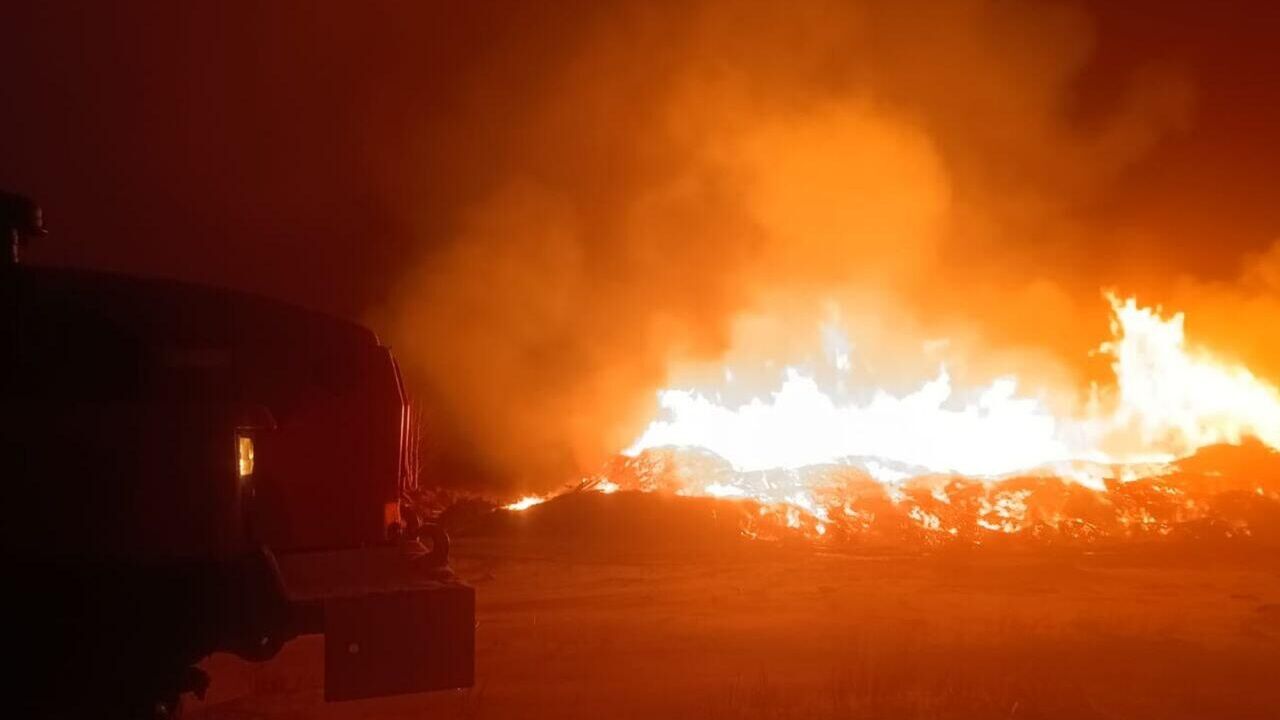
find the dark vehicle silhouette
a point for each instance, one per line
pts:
(188, 470)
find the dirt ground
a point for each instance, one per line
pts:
(568, 632)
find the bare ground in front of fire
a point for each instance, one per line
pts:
(579, 631)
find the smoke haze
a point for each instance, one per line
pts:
(716, 180)
(551, 210)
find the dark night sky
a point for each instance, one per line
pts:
(226, 143)
(316, 151)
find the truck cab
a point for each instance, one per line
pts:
(192, 470)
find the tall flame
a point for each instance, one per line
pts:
(1182, 400)
(949, 464)
(1170, 400)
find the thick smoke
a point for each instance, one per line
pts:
(697, 182)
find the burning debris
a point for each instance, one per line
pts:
(845, 504)
(525, 503)
(1182, 447)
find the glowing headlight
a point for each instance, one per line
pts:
(244, 455)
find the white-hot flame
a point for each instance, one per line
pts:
(1180, 400)
(795, 449)
(1169, 400)
(801, 425)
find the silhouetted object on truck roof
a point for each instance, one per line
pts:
(20, 220)
(190, 470)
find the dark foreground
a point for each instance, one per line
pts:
(567, 631)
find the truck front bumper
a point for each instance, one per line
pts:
(392, 623)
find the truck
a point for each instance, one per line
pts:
(190, 470)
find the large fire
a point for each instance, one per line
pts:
(999, 462)
(1169, 401)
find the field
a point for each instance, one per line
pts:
(590, 625)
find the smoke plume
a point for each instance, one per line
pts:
(714, 181)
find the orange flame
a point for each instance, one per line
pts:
(525, 503)
(1170, 401)
(1000, 464)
